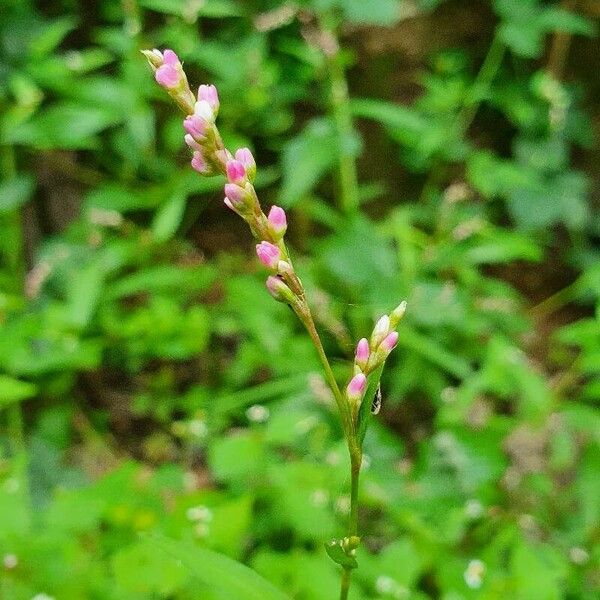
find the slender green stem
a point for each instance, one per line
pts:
(556, 301)
(482, 82)
(342, 405)
(342, 115)
(355, 459)
(14, 414)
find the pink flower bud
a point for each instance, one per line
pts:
(389, 342)
(209, 94)
(245, 157)
(195, 126)
(171, 58)
(199, 164)
(236, 173)
(356, 387)
(192, 143)
(268, 254)
(167, 76)
(279, 290)
(235, 192)
(277, 221)
(362, 352)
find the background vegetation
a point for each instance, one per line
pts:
(153, 400)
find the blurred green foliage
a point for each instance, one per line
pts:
(160, 414)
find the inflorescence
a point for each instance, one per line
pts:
(210, 157)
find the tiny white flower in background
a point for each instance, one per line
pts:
(474, 574)
(473, 509)
(74, 60)
(448, 394)
(390, 587)
(43, 597)
(199, 513)
(319, 498)
(384, 584)
(333, 458)
(257, 413)
(10, 561)
(305, 425)
(527, 522)
(342, 505)
(578, 555)
(198, 428)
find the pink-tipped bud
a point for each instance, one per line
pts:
(389, 342)
(195, 126)
(268, 254)
(235, 192)
(279, 290)
(168, 76)
(236, 173)
(356, 387)
(245, 157)
(381, 329)
(192, 143)
(362, 353)
(209, 94)
(171, 58)
(199, 164)
(277, 222)
(204, 110)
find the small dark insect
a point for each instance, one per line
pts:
(376, 404)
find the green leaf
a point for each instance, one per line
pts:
(140, 569)
(83, 293)
(336, 553)
(168, 218)
(392, 116)
(217, 571)
(65, 125)
(50, 36)
(525, 39)
(13, 390)
(15, 192)
(453, 363)
(306, 158)
(538, 570)
(192, 10)
(559, 19)
(118, 198)
(380, 12)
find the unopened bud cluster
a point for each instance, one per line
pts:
(372, 352)
(210, 157)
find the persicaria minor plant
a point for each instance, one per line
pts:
(210, 157)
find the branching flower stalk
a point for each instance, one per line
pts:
(210, 157)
